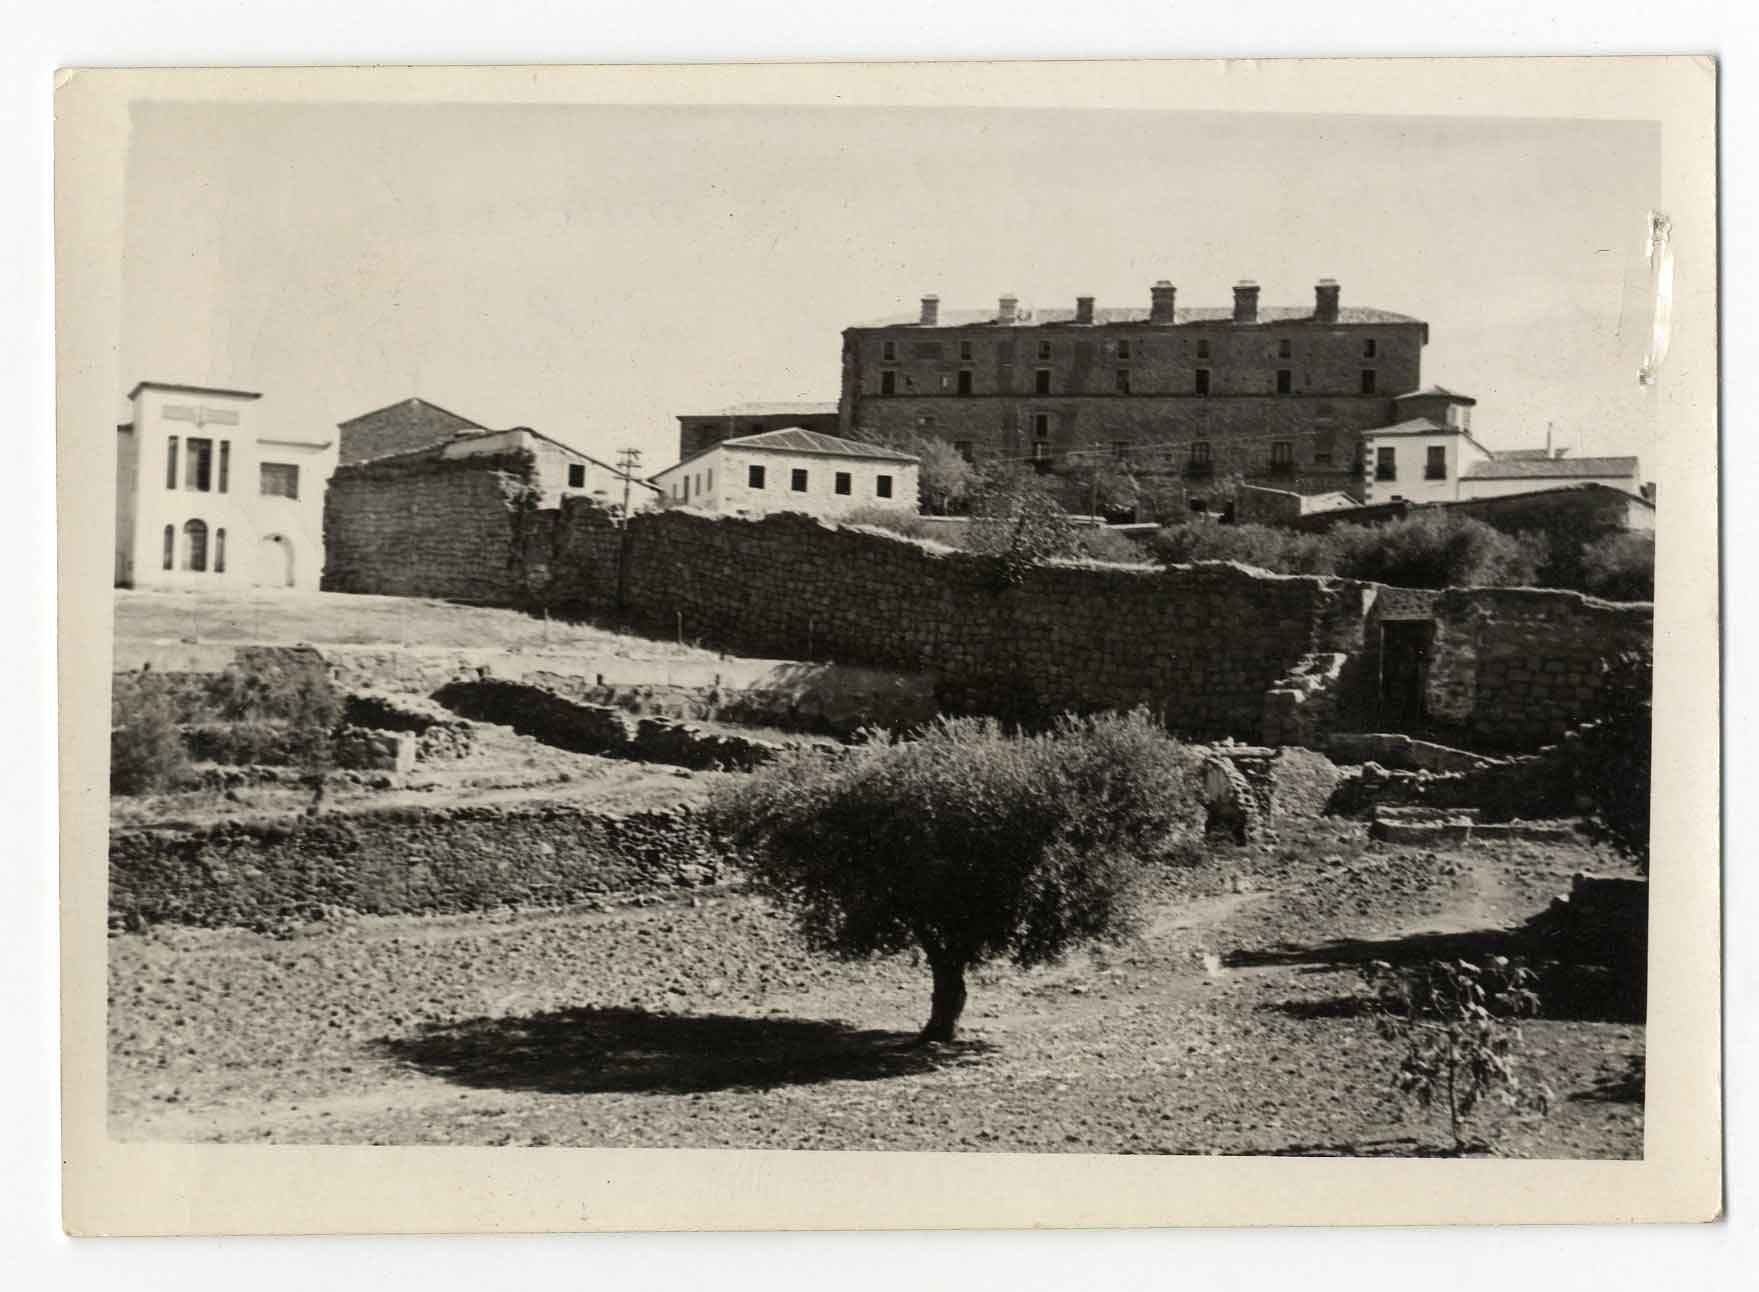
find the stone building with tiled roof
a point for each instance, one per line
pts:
(1265, 393)
(697, 431)
(403, 427)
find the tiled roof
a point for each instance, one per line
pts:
(771, 410)
(1552, 469)
(802, 441)
(1523, 455)
(1135, 314)
(400, 428)
(1439, 392)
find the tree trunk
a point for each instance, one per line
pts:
(949, 1003)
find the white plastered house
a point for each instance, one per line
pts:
(210, 495)
(792, 470)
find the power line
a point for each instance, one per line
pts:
(628, 459)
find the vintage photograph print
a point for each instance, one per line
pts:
(896, 628)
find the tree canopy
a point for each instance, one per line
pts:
(970, 843)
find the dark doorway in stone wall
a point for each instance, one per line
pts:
(1404, 671)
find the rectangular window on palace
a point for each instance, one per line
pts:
(1044, 349)
(279, 479)
(888, 350)
(965, 378)
(797, 480)
(1201, 386)
(1203, 349)
(1368, 381)
(1285, 381)
(1041, 381)
(888, 382)
(1121, 381)
(754, 477)
(882, 486)
(198, 465)
(844, 483)
(1123, 349)
(965, 350)
(1285, 349)
(1041, 424)
(1282, 455)
(1368, 348)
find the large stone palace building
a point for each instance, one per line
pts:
(1274, 394)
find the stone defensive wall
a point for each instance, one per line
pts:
(1216, 649)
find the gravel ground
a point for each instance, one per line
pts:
(1225, 1028)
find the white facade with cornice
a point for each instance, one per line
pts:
(209, 495)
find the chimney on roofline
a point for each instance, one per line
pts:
(1325, 301)
(931, 311)
(1007, 309)
(1161, 297)
(1084, 309)
(1245, 301)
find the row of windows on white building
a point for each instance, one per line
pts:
(799, 481)
(274, 479)
(195, 547)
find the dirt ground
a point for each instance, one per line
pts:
(1228, 1027)
(335, 618)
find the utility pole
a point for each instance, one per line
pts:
(627, 460)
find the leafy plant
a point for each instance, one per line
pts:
(147, 753)
(1458, 1023)
(1615, 758)
(970, 844)
(1620, 567)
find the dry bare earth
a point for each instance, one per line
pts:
(701, 1023)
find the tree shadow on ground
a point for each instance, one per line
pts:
(1568, 991)
(591, 1050)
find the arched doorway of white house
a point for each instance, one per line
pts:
(274, 562)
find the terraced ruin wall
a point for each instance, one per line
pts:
(394, 861)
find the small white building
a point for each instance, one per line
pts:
(791, 470)
(1420, 460)
(208, 494)
(562, 471)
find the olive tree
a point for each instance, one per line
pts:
(969, 843)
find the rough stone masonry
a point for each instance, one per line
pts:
(1216, 650)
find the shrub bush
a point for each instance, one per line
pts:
(147, 755)
(971, 844)
(1424, 551)
(1281, 551)
(1620, 567)
(1435, 550)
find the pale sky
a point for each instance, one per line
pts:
(593, 271)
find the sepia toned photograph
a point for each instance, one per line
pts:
(735, 625)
